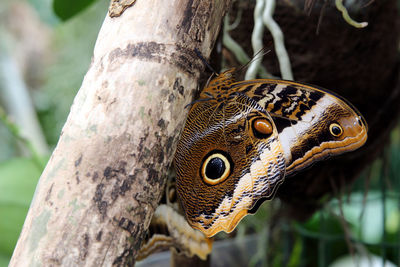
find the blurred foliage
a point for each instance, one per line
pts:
(72, 48)
(7, 144)
(18, 181)
(45, 11)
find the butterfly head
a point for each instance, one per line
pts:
(219, 84)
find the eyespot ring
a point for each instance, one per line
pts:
(216, 167)
(335, 129)
(262, 128)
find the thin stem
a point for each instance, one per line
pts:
(346, 16)
(256, 40)
(277, 35)
(238, 51)
(14, 130)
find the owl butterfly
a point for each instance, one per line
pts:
(241, 139)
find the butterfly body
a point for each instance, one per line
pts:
(241, 139)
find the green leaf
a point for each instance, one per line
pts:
(18, 179)
(66, 9)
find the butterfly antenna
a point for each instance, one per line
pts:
(198, 100)
(198, 53)
(262, 52)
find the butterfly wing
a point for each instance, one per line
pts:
(241, 139)
(227, 159)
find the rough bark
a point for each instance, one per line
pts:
(102, 184)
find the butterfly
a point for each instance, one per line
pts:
(242, 138)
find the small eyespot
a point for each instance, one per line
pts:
(335, 129)
(216, 168)
(262, 128)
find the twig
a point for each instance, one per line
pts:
(16, 99)
(238, 51)
(256, 40)
(232, 45)
(277, 35)
(343, 222)
(237, 20)
(14, 130)
(346, 16)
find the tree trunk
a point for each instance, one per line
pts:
(102, 184)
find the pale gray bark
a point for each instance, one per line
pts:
(103, 182)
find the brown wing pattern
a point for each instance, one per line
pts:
(242, 138)
(304, 116)
(256, 163)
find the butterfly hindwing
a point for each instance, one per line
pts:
(256, 163)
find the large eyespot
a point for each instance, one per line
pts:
(216, 168)
(262, 128)
(335, 129)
